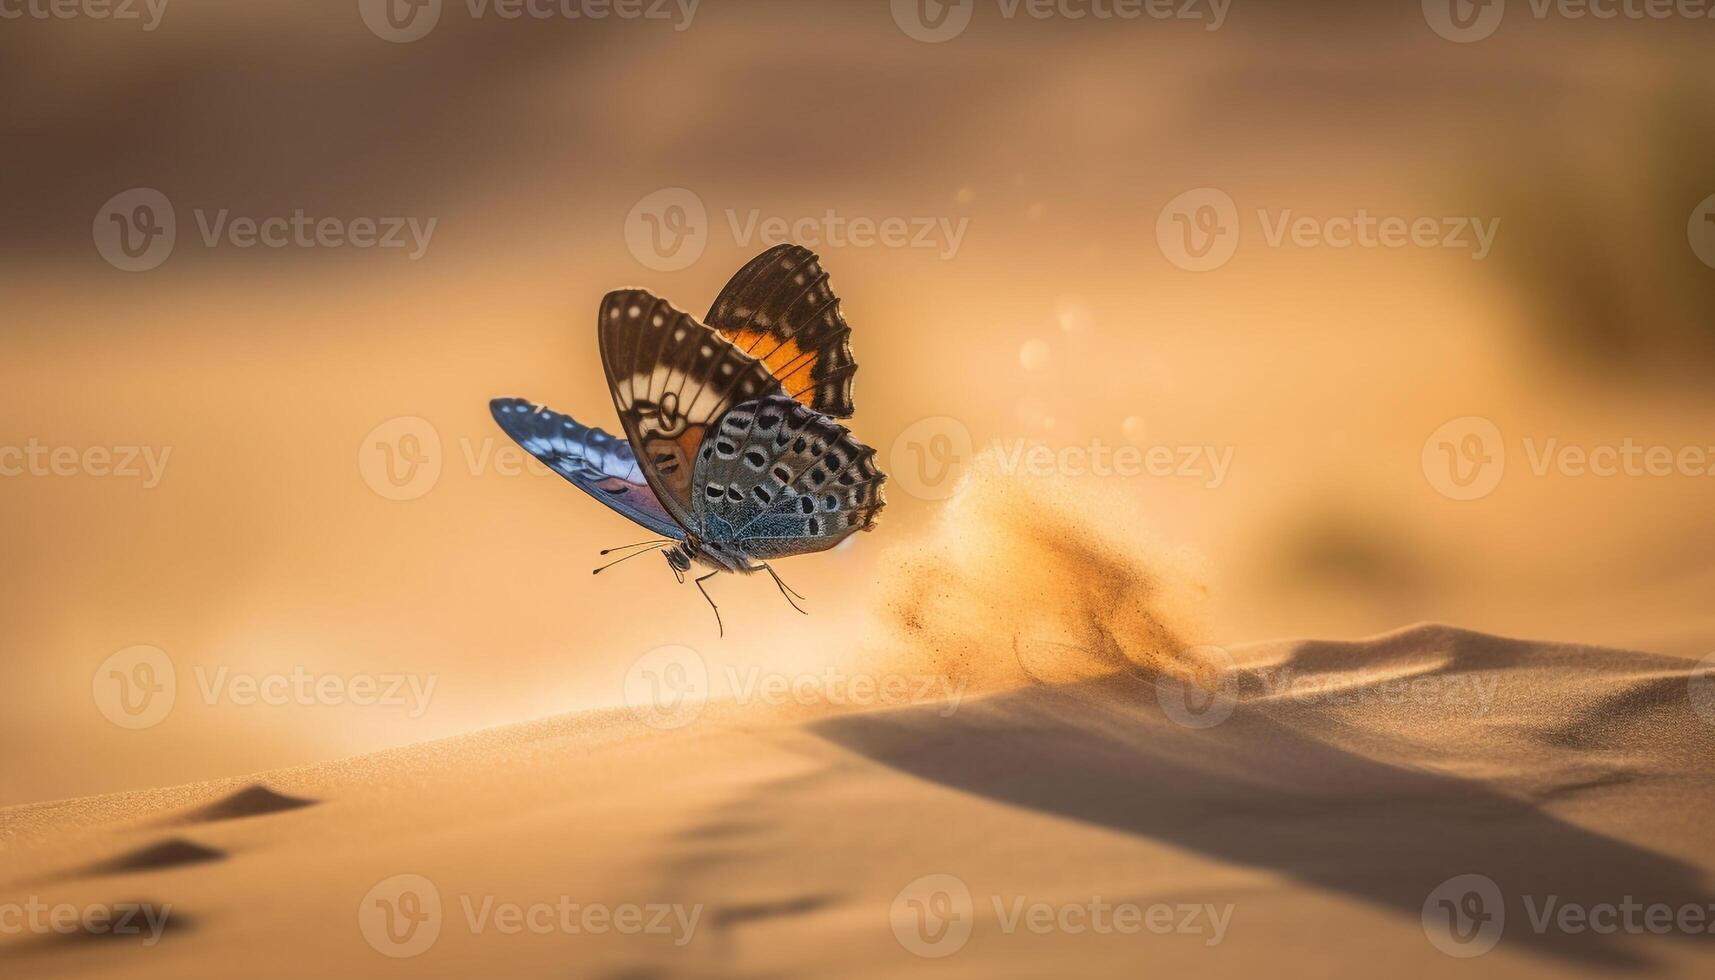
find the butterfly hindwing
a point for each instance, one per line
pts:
(601, 465)
(778, 479)
(780, 309)
(672, 379)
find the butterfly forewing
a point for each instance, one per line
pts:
(781, 310)
(599, 464)
(672, 379)
(778, 479)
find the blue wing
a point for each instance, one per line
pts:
(782, 479)
(596, 463)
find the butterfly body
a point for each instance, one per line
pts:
(731, 448)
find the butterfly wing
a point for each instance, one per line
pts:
(780, 310)
(672, 379)
(600, 465)
(780, 479)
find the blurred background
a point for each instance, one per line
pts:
(1074, 232)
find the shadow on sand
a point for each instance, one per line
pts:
(1254, 791)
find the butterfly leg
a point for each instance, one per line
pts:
(718, 624)
(785, 590)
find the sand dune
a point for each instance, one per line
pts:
(1306, 809)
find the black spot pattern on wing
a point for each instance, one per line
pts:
(816, 485)
(671, 379)
(783, 297)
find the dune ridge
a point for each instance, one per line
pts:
(1313, 795)
(1326, 807)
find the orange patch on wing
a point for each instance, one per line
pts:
(674, 471)
(685, 453)
(783, 358)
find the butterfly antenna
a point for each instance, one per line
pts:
(785, 590)
(616, 561)
(627, 547)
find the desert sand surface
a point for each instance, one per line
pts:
(1303, 824)
(1111, 758)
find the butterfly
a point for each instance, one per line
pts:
(731, 452)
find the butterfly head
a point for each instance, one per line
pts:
(679, 558)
